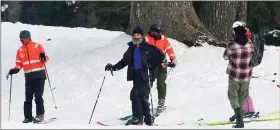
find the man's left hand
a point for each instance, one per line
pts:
(42, 57)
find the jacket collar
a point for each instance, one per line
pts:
(130, 44)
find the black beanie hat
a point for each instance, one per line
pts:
(138, 30)
(24, 34)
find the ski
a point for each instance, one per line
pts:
(46, 121)
(130, 116)
(228, 122)
(182, 123)
(100, 123)
(103, 124)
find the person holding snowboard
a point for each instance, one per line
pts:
(157, 39)
(142, 60)
(239, 53)
(32, 58)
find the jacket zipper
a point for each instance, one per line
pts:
(28, 58)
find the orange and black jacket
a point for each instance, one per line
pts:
(162, 44)
(28, 58)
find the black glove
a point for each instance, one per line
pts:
(171, 64)
(109, 67)
(13, 71)
(42, 57)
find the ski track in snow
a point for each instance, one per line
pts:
(198, 86)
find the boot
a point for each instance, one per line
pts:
(239, 118)
(27, 120)
(149, 120)
(134, 121)
(160, 107)
(248, 115)
(39, 119)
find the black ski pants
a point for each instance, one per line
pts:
(139, 97)
(34, 87)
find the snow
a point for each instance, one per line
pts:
(197, 89)
(275, 33)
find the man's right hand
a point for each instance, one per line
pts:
(13, 71)
(109, 67)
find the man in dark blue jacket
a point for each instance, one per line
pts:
(142, 60)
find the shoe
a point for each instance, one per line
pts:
(134, 121)
(27, 120)
(38, 119)
(239, 118)
(248, 115)
(160, 107)
(149, 120)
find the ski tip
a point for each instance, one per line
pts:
(100, 123)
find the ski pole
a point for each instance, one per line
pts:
(97, 97)
(170, 75)
(50, 86)
(266, 75)
(10, 96)
(149, 78)
(265, 79)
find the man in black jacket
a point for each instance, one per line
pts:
(142, 60)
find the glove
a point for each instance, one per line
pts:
(172, 64)
(13, 71)
(109, 67)
(42, 57)
(164, 64)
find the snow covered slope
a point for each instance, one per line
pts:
(197, 89)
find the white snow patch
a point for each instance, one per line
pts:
(197, 89)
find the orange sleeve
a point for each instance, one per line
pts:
(42, 50)
(169, 50)
(19, 64)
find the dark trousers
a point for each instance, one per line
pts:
(161, 85)
(34, 87)
(139, 97)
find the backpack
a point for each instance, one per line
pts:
(258, 43)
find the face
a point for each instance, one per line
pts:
(24, 40)
(137, 36)
(155, 33)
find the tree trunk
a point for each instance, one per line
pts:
(218, 17)
(178, 19)
(12, 13)
(241, 11)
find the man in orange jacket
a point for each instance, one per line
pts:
(32, 58)
(155, 37)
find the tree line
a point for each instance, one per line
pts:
(182, 20)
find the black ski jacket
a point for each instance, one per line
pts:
(152, 58)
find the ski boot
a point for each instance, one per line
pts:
(149, 120)
(38, 119)
(239, 118)
(26, 120)
(160, 107)
(134, 121)
(248, 115)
